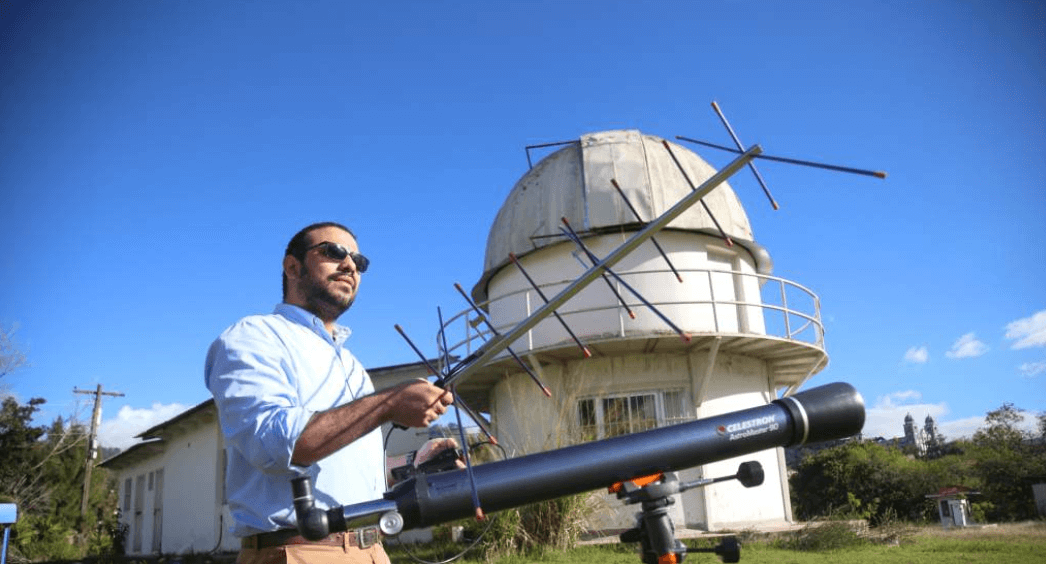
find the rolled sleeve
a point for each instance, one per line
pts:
(259, 408)
(269, 375)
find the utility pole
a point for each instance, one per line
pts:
(92, 442)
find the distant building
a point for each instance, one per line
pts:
(924, 442)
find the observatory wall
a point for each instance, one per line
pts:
(719, 292)
(528, 422)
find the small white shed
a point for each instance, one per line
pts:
(953, 506)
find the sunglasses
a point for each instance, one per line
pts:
(337, 252)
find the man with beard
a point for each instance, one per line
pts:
(292, 401)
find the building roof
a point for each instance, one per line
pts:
(575, 183)
(203, 413)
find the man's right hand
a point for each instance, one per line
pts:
(417, 403)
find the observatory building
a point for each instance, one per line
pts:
(746, 337)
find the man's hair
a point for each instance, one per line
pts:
(298, 244)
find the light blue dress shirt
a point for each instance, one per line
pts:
(269, 374)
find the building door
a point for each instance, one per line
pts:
(139, 509)
(158, 514)
(728, 314)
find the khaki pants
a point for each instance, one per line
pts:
(313, 554)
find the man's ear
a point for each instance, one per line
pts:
(291, 267)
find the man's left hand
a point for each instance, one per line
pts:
(433, 447)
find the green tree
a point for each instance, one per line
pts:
(1006, 462)
(1002, 428)
(19, 465)
(42, 471)
(872, 481)
(862, 480)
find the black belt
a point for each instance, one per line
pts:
(359, 538)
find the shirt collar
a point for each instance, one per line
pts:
(305, 318)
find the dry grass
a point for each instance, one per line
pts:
(1024, 531)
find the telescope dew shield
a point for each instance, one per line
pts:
(827, 412)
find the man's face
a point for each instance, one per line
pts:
(328, 286)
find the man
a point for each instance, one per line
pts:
(292, 400)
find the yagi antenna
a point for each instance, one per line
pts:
(447, 377)
(490, 349)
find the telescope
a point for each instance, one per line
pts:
(828, 412)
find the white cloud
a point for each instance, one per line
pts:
(899, 398)
(1030, 369)
(965, 428)
(960, 428)
(967, 347)
(1029, 332)
(120, 432)
(917, 355)
(886, 418)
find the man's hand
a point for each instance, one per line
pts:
(418, 403)
(434, 447)
(428, 453)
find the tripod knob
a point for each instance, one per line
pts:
(729, 550)
(750, 474)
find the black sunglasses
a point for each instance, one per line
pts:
(338, 252)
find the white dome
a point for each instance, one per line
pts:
(574, 182)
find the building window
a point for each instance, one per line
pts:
(612, 415)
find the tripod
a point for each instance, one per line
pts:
(655, 531)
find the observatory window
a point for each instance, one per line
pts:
(613, 415)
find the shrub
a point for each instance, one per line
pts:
(532, 529)
(819, 536)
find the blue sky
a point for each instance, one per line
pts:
(157, 155)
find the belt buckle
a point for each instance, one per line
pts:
(367, 537)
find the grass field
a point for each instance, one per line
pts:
(1021, 543)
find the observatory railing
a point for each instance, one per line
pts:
(789, 311)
